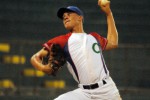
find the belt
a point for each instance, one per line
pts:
(93, 86)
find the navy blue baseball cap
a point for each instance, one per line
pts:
(75, 9)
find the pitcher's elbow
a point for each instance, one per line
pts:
(32, 59)
(111, 46)
(115, 46)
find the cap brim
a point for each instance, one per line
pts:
(61, 11)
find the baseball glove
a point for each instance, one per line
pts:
(55, 58)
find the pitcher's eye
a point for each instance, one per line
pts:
(69, 13)
(66, 14)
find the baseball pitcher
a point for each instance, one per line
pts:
(82, 53)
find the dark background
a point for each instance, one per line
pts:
(26, 24)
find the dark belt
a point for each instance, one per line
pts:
(93, 86)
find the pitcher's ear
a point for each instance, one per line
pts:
(80, 17)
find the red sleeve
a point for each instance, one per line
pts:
(100, 39)
(61, 40)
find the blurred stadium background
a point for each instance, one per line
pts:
(26, 24)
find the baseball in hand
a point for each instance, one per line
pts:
(104, 2)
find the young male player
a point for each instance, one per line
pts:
(84, 57)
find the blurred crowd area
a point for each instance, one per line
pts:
(26, 24)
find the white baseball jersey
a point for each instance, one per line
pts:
(84, 56)
(86, 64)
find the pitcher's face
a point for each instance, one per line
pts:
(71, 20)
